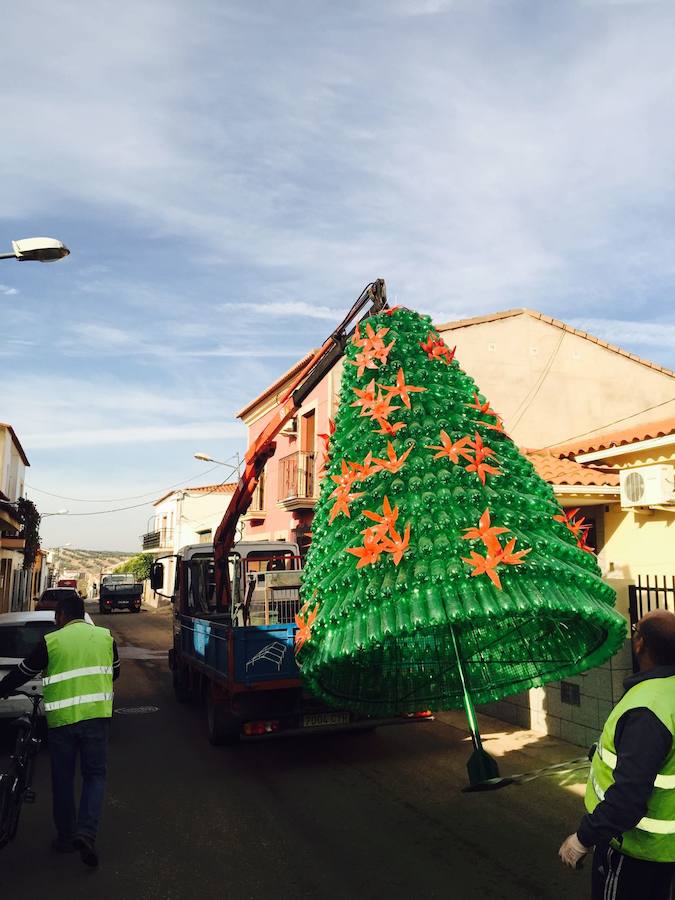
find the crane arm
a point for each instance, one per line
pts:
(264, 445)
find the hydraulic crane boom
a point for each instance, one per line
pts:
(264, 446)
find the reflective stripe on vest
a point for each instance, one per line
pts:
(78, 680)
(76, 673)
(76, 701)
(654, 826)
(653, 838)
(667, 782)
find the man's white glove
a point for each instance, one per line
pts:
(572, 851)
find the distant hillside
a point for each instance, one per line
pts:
(87, 563)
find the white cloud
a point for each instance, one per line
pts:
(295, 309)
(7, 290)
(627, 334)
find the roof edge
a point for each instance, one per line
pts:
(16, 442)
(557, 323)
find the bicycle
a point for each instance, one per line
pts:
(15, 784)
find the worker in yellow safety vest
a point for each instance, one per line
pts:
(630, 794)
(79, 663)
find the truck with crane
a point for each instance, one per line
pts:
(235, 602)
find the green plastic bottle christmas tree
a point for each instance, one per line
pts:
(435, 542)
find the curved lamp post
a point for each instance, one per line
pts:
(37, 249)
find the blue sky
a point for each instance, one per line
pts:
(229, 175)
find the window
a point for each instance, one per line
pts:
(205, 536)
(17, 641)
(570, 693)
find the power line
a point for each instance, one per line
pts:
(529, 398)
(102, 512)
(608, 424)
(121, 499)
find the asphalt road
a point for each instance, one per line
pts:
(376, 815)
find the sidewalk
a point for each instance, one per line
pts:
(519, 750)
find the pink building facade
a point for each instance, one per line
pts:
(284, 502)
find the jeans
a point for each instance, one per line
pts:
(90, 739)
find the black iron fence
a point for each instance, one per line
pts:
(655, 592)
(650, 592)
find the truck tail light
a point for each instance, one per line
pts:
(261, 726)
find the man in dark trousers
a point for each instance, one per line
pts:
(630, 795)
(79, 663)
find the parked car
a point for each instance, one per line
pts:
(49, 598)
(19, 634)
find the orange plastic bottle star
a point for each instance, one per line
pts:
(401, 389)
(370, 552)
(367, 468)
(381, 407)
(482, 469)
(486, 533)
(397, 544)
(304, 632)
(365, 398)
(345, 479)
(512, 558)
(385, 520)
(363, 361)
(392, 463)
(484, 565)
(483, 408)
(382, 353)
(341, 505)
(389, 428)
(373, 340)
(452, 451)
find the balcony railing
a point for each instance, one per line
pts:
(297, 478)
(156, 540)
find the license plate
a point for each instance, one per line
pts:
(316, 720)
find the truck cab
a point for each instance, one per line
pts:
(241, 660)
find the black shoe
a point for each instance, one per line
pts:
(88, 853)
(63, 845)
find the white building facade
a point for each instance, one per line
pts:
(187, 516)
(15, 583)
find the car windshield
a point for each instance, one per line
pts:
(20, 638)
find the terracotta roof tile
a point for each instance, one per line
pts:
(227, 488)
(643, 431)
(559, 471)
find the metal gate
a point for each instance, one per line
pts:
(657, 592)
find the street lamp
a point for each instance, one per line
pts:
(204, 457)
(37, 249)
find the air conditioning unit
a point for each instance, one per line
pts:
(291, 427)
(647, 486)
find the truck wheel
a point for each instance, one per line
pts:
(181, 687)
(223, 727)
